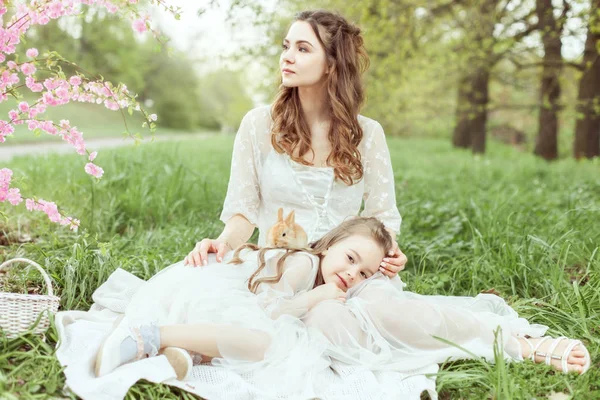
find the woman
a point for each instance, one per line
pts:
(310, 151)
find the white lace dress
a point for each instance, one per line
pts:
(263, 180)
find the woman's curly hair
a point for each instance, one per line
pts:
(347, 60)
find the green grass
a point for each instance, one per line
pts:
(507, 221)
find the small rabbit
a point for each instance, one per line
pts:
(286, 234)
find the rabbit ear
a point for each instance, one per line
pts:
(290, 218)
(280, 215)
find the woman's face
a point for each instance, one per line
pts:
(303, 59)
(351, 260)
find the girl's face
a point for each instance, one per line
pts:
(303, 60)
(351, 260)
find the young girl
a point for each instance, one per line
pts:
(252, 328)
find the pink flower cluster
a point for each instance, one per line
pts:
(12, 195)
(56, 91)
(51, 210)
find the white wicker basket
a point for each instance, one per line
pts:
(18, 312)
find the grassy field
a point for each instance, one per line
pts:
(507, 221)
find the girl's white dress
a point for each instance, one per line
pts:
(379, 345)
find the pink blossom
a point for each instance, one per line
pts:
(48, 99)
(51, 83)
(62, 93)
(23, 107)
(32, 53)
(93, 155)
(5, 177)
(94, 170)
(32, 85)
(55, 10)
(6, 129)
(106, 92)
(30, 204)
(111, 105)
(32, 125)
(14, 196)
(139, 25)
(75, 80)
(72, 222)
(28, 69)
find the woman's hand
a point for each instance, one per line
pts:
(329, 291)
(394, 263)
(199, 256)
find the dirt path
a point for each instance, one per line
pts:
(7, 152)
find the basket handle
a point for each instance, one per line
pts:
(42, 271)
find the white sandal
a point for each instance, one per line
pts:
(549, 354)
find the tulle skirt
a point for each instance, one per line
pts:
(382, 344)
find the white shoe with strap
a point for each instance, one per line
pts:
(549, 354)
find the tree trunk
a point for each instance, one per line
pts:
(473, 97)
(546, 144)
(462, 131)
(587, 128)
(479, 101)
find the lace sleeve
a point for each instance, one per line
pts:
(380, 193)
(243, 191)
(285, 296)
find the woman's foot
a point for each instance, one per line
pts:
(563, 354)
(126, 344)
(180, 360)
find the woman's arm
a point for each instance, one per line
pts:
(240, 208)
(236, 232)
(380, 194)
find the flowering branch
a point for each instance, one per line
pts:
(58, 89)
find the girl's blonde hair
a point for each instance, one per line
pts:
(366, 226)
(346, 56)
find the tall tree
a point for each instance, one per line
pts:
(473, 90)
(551, 28)
(587, 128)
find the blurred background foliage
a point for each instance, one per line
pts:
(470, 71)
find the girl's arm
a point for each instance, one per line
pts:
(294, 294)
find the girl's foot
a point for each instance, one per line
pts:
(563, 354)
(180, 360)
(126, 344)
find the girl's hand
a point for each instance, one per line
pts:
(394, 263)
(329, 291)
(199, 256)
